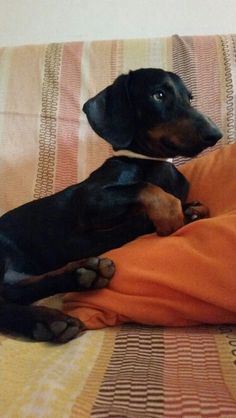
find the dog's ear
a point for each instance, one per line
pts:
(110, 113)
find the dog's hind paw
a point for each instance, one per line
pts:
(95, 273)
(56, 327)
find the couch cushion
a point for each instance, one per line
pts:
(184, 279)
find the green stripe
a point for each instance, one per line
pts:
(48, 121)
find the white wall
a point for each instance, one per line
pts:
(39, 21)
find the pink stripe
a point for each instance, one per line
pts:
(208, 77)
(209, 99)
(68, 117)
(193, 381)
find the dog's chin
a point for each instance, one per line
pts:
(193, 152)
(167, 149)
(170, 150)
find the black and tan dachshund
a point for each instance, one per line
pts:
(147, 111)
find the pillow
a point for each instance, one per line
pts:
(184, 279)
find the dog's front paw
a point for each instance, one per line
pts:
(94, 273)
(194, 211)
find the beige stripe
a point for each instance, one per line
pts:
(135, 54)
(5, 65)
(85, 401)
(145, 53)
(159, 53)
(19, 136)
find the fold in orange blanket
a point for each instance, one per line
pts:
(184, 279)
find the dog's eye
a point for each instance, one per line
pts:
(159, 96)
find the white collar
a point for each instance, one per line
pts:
(131, 154)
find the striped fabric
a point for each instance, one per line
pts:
(168, 373)
(46, 144)
(128, 372)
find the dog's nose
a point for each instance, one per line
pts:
(213, 136)
(212, 132)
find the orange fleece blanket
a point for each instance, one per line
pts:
(184, 279)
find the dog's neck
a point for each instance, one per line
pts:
(131, 154)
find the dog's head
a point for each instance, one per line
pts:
(149, 111)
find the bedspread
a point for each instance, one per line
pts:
(132, 371)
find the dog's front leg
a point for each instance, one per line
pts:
(115, 203)
(164, 210)
(120, 187)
